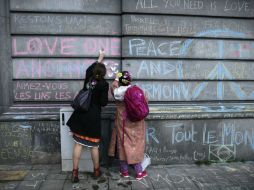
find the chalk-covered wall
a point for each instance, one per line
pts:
(52, 44)
(188, 141)
(193, 58)
(58, 40)
(195, 51)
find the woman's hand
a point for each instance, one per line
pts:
(114, 85)
(116, 77)
(101, 55)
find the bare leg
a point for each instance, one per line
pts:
(77, 149)
(96, 164)
(95, 157)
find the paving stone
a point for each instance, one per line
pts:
(120, 184)
(247, 169)
(116, 181)
(81, 175)
(210, 186)
(52, 185)
(234, 187)
(159, 178)
(87, 181)
(56, 167)
(113, 173)
(56, 176)
(226, 176)
(101, 182)
(180, 166)
(29, 185)
(68, 185)
(57, 172)
(145, 183)
(41, 167)
(241, 178)
(9, 185)
(85, 185)
(218, 175)
(199, 175)
(250, 186)
(183, 178)
(36, 175)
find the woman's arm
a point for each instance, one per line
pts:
(114, 85)
(101, 55)
(89, 70)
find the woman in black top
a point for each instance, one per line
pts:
(86, 126)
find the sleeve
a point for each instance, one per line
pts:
(89, 73)
(119, 93)
(89, 70)
(113, 86)
(104, 94)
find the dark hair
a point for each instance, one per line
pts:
(99, 71)
(125, 78)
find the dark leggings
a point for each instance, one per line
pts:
(124, 167)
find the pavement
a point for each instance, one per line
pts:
(217, 176)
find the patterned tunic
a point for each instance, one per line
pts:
(129, 136)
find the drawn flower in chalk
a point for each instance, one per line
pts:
(112, 68)
(112, 72)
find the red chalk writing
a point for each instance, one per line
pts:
(58, 68)
(64, 46)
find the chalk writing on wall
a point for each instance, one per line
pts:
(191, 48)
(189, 69)
(64, 46)
(15, 142)
(31, 23)
(185, 26)
(58, 68)
(222, 153)
(22, 141)
(229, 8)
(188, 91)
(84, 6)
(215, 140)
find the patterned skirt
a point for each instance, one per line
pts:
(86, 141)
